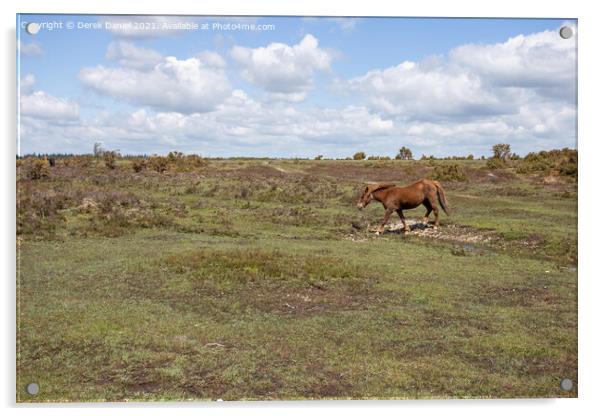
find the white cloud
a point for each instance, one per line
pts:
(185, 86)
(27, 82)
(42, 105)
(239, 126)
(284, 71)
(455, 104)
(476, 80)
(211, 59)
(542, 61)
(129, 55)
(427, 91)
(29, 49)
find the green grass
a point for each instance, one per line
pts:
(262, 294)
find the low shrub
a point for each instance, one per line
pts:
(32, 168)
(39, 211)
(562, 162)
(110, 159)
(139, 165)
(496, 163)
(448, 173)
(158, 163)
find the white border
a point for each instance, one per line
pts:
(590, 151)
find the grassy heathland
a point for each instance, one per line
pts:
(194, 279)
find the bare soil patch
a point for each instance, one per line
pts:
(453, 233)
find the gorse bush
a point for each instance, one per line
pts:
(110, 159)
(495, 163)
(139, 165)
(83, 161)
(561, 162)
(174, 161)
(449, 173)
(34, 168)
(158, 163)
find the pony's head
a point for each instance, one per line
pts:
(367, 196)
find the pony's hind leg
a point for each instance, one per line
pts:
(403, 220)
(429, 209)
(434, 208)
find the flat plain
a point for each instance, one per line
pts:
(199, 279)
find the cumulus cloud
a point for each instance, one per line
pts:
(27, 82)
(427, 91)
(459, 103)
(284, 71)
(186, 86)
(29, 49)
(541, 61)
(129, 55)
(474, 80)
(39, 105)
(211, 59)
(239, 126)
(42, 105)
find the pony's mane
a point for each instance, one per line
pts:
(378, 186)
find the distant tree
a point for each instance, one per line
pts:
(470, 157)
(319, 157)
(175, 155)
(404, 154)
(359, 156)
(98, 150)
(501, 151)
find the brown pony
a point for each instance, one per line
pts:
(396, 199)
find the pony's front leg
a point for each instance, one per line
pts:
(388, 213)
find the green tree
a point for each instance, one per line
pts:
(405, 154)
(359, 156)
(501, 151)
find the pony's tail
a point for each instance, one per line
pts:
(441, 197)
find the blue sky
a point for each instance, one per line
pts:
(307, 86)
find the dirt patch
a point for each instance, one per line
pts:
(453, 233)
